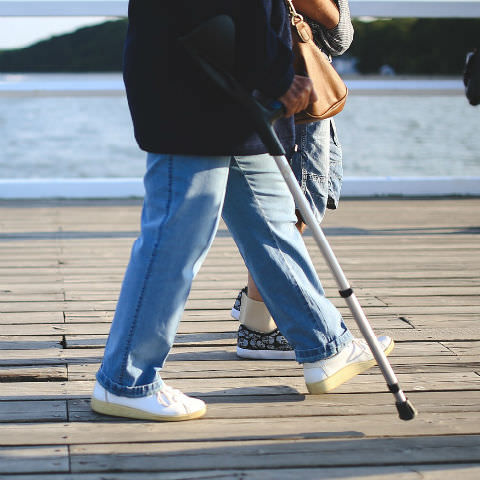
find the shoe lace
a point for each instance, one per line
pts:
(168, 395)
(361, 344)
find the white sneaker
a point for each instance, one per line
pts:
(168, 404)
(355, 358)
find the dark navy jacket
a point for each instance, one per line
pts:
(175, 109)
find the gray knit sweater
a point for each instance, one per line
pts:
(336, 40)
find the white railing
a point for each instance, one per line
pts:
(127, 187)
(374, 8)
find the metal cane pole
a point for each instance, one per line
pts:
(404, 407)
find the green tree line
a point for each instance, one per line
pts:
(409, 46)
(89, 49)
(415, 46)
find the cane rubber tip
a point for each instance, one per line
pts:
(406, 410)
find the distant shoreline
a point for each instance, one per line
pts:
(111, 84)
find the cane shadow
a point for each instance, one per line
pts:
(257, 394)
(253, 398)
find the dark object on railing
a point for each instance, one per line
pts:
(471, 77)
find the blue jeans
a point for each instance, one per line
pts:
(317, 164)
(183, 202)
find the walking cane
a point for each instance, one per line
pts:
(211, 45)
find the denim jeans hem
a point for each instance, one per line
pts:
(322, 353)
(131, 392)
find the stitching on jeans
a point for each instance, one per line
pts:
(148, 272)
(278, 248)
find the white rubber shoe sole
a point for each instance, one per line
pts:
(266, 354)
(112, 409)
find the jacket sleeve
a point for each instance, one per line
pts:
(337, 40)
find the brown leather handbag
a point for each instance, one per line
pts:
(310, 61)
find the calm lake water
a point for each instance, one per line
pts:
(90, 135)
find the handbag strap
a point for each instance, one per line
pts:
(295, 17)
(303, 29)
(298, 23)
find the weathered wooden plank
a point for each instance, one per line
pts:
(373, 382)
(27, 342)
(438, 334)
(50, 355)
(418, 291)
(13, 318)
(6, 307)
(227, 336)
(194, 339)
(397, 472)
(288, 405)
(365, 383)
(463, 348)
(219, 430)
(420, 349)
(436, 300)
(205, 326)
(31, 297)
(34, 459)
(358, 282)
(274, 454)
(34, 373)
(99, 292)
(43, 272)
(255, 368)
(209, 304)
(196, 295)
(18, 411)
(89, 316)
(422, 270)
(384, 319)
(449, 320)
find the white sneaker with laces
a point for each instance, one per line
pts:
(325, 375)
(167, 404)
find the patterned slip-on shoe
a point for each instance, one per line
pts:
(263, 346)
(235, 312)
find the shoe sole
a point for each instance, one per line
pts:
(235, 314)
(343, 375)
(266, 354)
(116, 410)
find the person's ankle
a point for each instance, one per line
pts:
(255, 315)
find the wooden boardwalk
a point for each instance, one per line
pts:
(415, 267)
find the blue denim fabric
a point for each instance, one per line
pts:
(317, 164)
(183, 202)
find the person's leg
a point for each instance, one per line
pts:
(310, 165)
(335, 170)
(276, 256)
(183, 200)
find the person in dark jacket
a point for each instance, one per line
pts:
(203, 156)
(471, 77)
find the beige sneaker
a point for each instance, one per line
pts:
(167, 404)
(325, 375)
